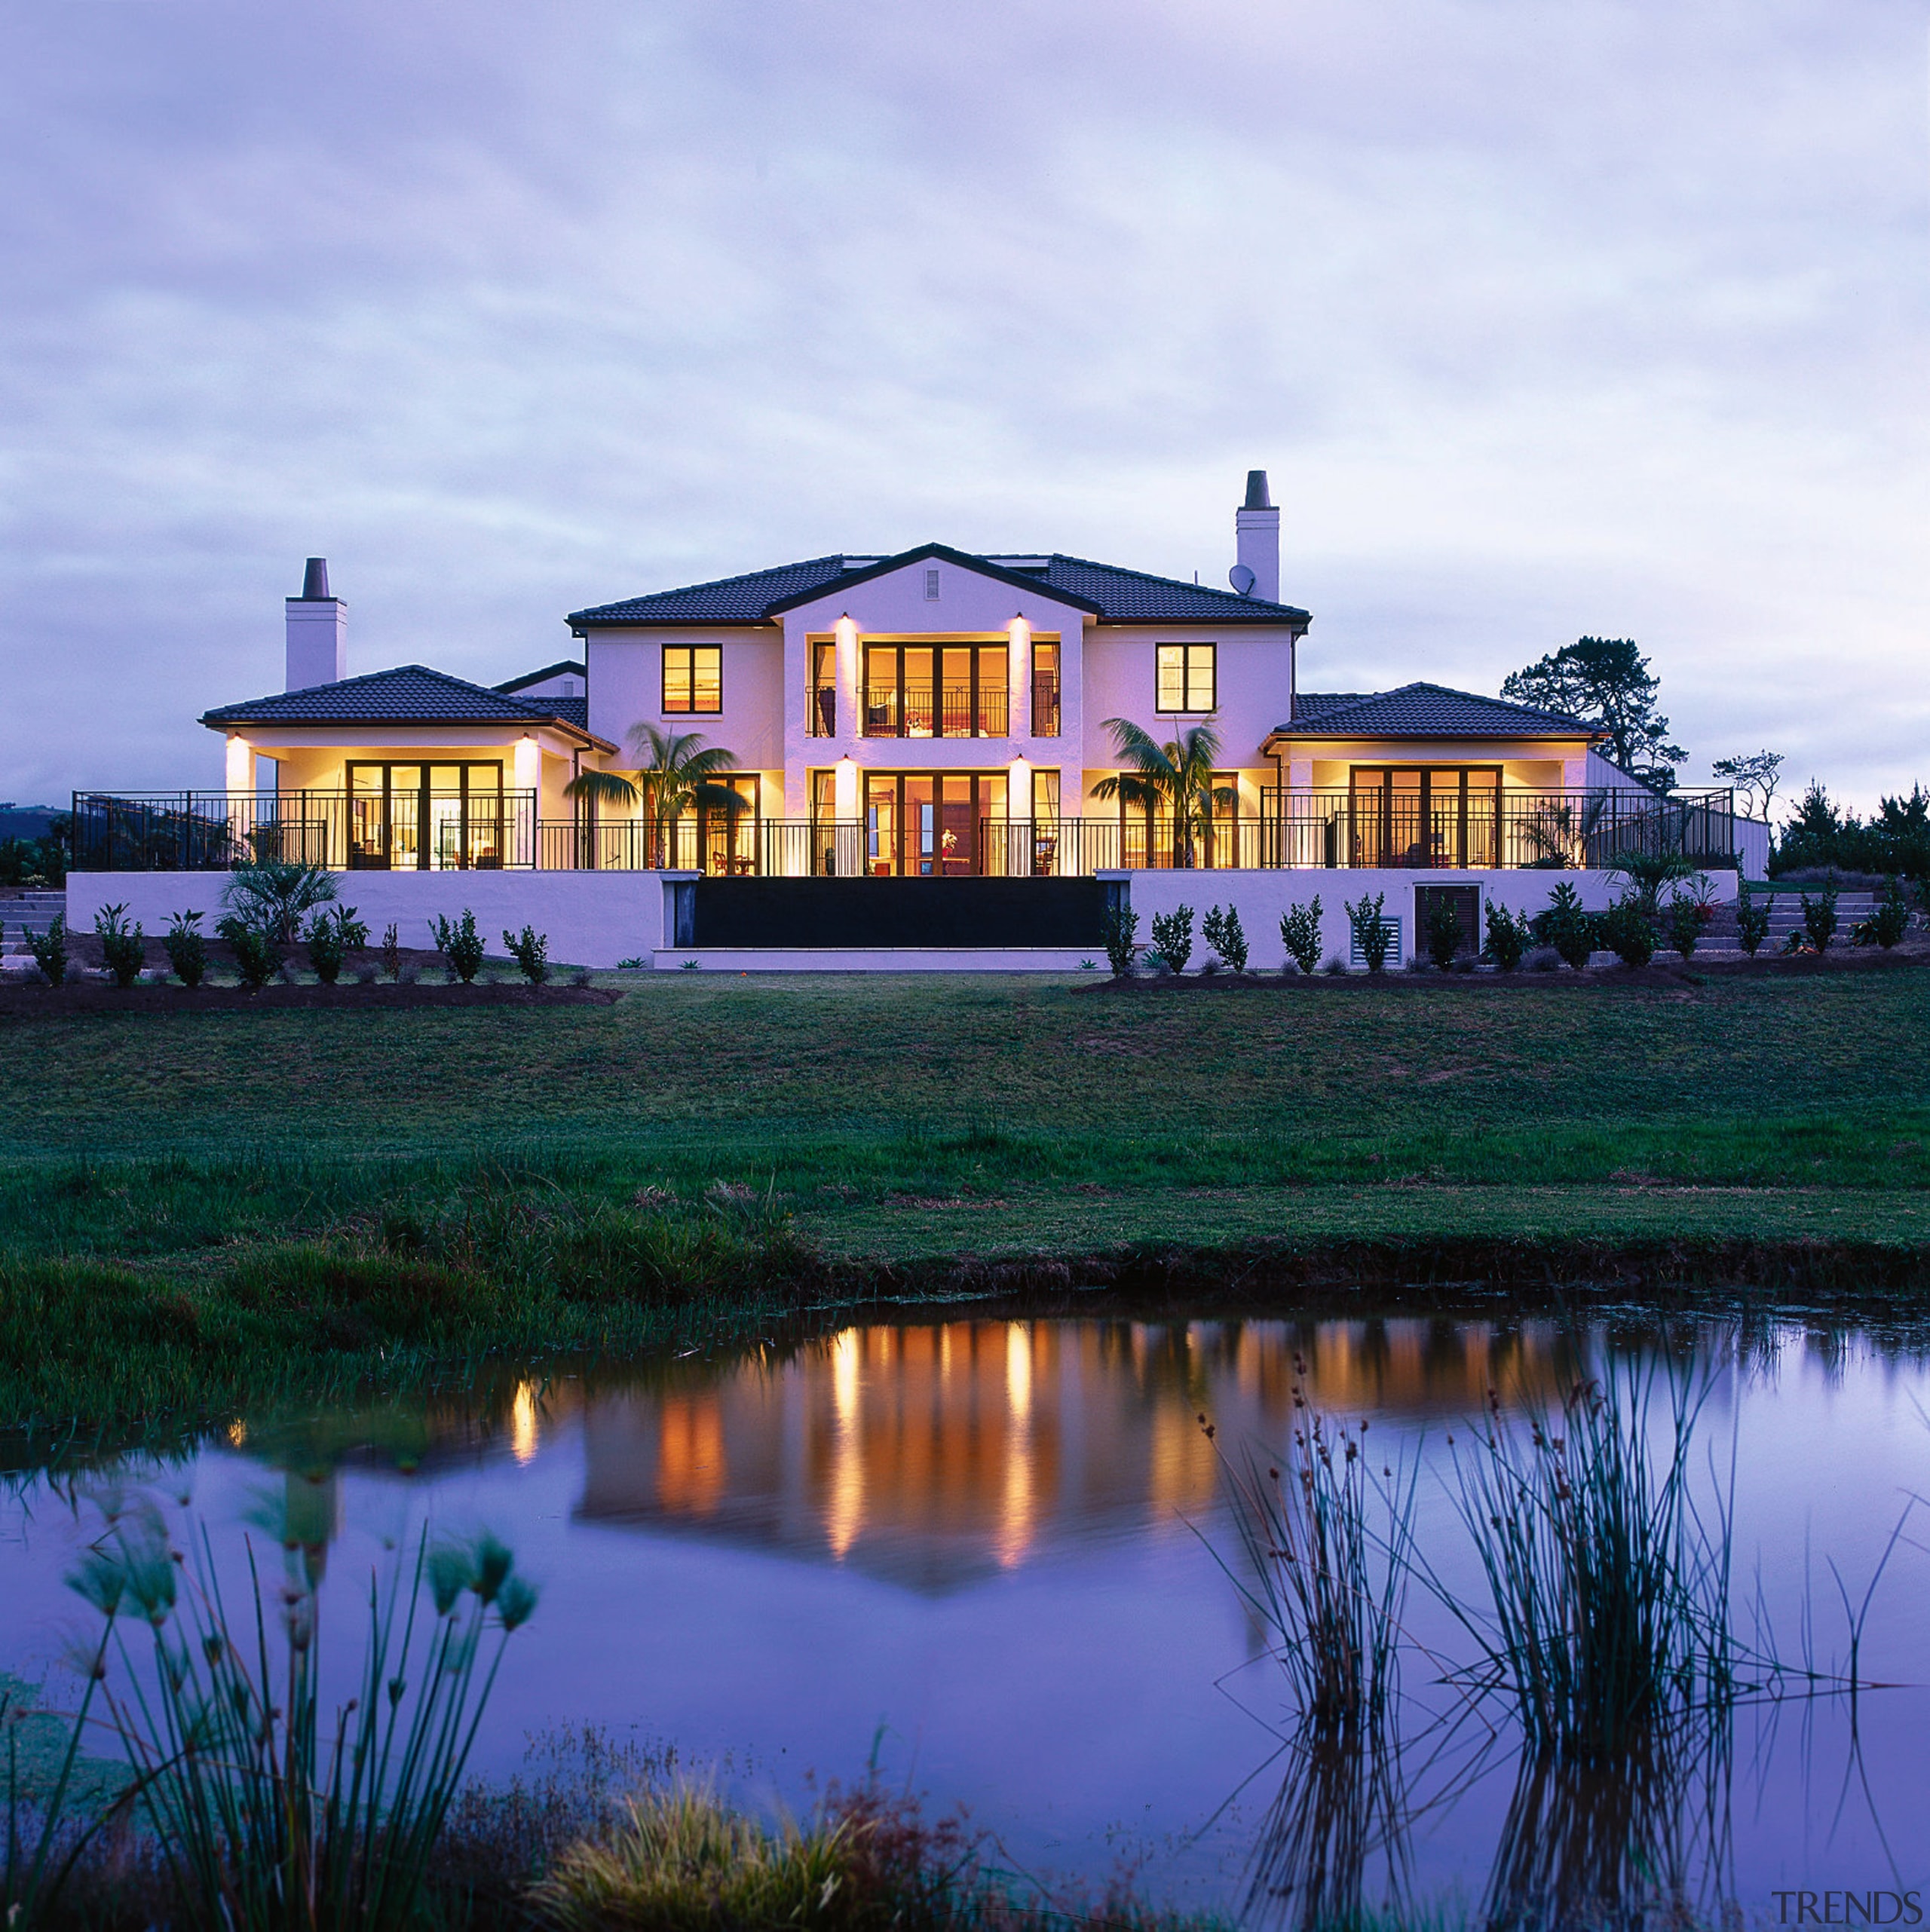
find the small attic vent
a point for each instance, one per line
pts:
(931, 587)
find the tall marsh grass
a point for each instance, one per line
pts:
(264, 1812)
(1608, 1603)
(1327, 1550)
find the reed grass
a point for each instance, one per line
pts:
(265, 1817)
(1327, 1546)
(1608, 1608)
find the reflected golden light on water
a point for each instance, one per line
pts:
(523, 1423)
(936, 1452)
(1018, 1507)
(844, 1513)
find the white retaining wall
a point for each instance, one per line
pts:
(596, 919)
(1262, 897)
(593, 918)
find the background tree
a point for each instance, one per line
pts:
(1176, 779)
(1605, 682)
(1754, 774)
(679, 774)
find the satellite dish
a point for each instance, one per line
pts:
(1242, 580)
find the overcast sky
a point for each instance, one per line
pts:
(1545, 320)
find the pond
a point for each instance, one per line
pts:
(994, 1559)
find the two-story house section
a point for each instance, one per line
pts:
(938, 713)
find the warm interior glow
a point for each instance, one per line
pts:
(845, 1513)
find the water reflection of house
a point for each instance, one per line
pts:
(936, 1454)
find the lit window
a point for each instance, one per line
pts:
(1186, 678)
(693, 677)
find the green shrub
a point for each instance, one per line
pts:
(530, 949)
(391, 952)
(1172, 937)
(1299, 933)
(1121, 930)
(123, 947)
(270, 895)
(1225, 936)
(1752, 921)
(258, 955)
(1375, 933)
(325, 949)
(1819, 918)
(1444, 933)
(1684, 926)
(1625, 929)
(1567, 926)
(352, 931)
(460, 945)
(1889, 923)
(186, 948)
(50, 949)
(1509, 937)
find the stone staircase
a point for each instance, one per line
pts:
(38, 910)
(1785, 917)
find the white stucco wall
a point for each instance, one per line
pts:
(626, 689)
(1254, 677)
(1263, 897)
(593, 919)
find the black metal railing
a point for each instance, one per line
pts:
(928, 711)
(203, 831)
(194, 832)
(1512, 831)
(750, 847)
(1044, 704)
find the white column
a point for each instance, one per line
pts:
(850, 687)
(528, 777)
(1019, 679)
(241, 756)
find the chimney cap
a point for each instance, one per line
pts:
(315, 578)
(1257, 498)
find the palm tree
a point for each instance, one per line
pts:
(1176, 778)
(678, 773)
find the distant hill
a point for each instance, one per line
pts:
(28, 821)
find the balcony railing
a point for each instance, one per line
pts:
(750, 848)
(928, 711)
(1044, 704)
(213, 831)
(203, 831)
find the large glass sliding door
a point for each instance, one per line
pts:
(925, 825)
(426, 817)
(1424, 816)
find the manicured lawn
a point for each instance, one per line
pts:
(263, 1182)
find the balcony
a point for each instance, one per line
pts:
(213, 831)
(927, 711)
(206, 832)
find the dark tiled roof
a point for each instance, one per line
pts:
(566, 667)
(1132, 597)
(1423, 711)
(409, 694)
(1115, 595)
(740, 600)
(571, 711)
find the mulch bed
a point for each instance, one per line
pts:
(19, 1001)
(1677, 975)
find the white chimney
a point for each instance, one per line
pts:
(317, 632)
(1256, 532)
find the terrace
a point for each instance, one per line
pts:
(489, 830)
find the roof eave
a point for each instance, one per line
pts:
(224, 720)
(1018, 580)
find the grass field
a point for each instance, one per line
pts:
(888, 1120)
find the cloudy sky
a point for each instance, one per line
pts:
(1546, 319)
